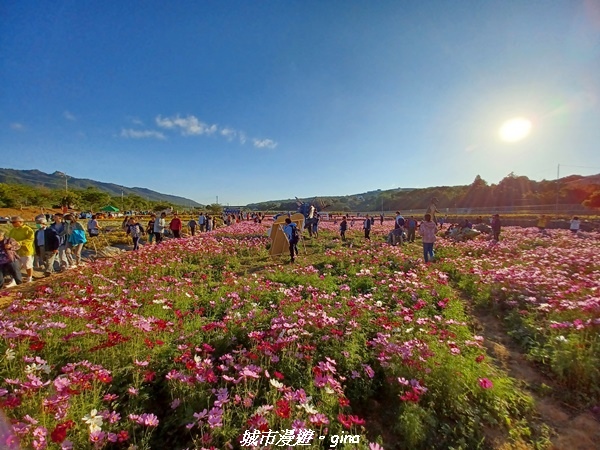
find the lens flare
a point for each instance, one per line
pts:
(515, 129)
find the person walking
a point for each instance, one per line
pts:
(9, 261)
(75, 238)
(150, 228)
(315, 225)
(135, 230)
(64, 260)
(411, 229)
(381, 219)
(343, 228)
(432, 210)
(367, 227)
(159, 227)
(496, 227)
(293, 236)
(46, 244)
(427, 230)
(192, 224)
(25, 237)
(201, 222)
(175, 226)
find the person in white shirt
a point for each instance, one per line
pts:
(159, 227)
(575, 224)
(93, 227)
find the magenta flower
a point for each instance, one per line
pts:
(486, 383)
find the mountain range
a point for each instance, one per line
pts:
(58, 180)
(513, 190)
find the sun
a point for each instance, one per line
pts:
(515, 129)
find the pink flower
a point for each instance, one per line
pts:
(485, 383)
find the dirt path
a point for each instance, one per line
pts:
(574, 429)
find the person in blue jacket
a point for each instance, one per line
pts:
(291, 231)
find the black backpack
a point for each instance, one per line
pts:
(295, 235)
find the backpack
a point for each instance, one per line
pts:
(295, 235)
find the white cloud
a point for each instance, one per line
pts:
(192, 126)
(136, 121)
(229, 133)
(67, 115)
(141, 134)
(264, 143)
(189, 125)
(17, 126)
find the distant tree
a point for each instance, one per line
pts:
(215, 209)
(136, 202)
(477, 194)
(93, 199)
(160, 207)
(593, 201)
(70, 200)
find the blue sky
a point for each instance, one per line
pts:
(259, 100)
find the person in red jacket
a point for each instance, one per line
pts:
(175, 226)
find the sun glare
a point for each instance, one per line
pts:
(514, 130)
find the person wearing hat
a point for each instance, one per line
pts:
(46, 244)
(24, 236)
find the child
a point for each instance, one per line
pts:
(150, 228)
(575, 224)
(427, 230)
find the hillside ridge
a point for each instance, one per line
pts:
(34, 177)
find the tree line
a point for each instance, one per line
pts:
(511, 191)
(89, 199)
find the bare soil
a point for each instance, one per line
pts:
(574, 429)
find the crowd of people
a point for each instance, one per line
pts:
(57, 246)
(51, 247)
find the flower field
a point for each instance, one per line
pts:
(209, 343)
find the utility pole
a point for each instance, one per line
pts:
(66, 184)
(122, 201)
(557, 189)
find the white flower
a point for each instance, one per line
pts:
(9, 354)
(93, 420)
(308, 408)
(276, 384)
(262, 410)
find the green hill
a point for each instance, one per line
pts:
(56, 180)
